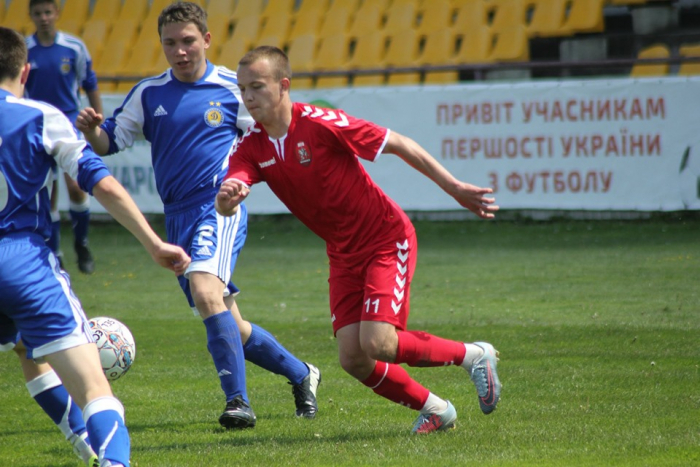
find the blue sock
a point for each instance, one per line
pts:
(263, 349)
(104, 418)
(80, 221)
(48, 391)
(224, 344)
(54, 241)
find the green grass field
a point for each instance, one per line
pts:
(597, 322)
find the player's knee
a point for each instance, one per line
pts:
(356, 365)
(378, 346)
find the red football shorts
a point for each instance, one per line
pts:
(375, 288)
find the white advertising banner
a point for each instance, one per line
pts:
(617, 144)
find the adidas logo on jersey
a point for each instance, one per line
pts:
(160, 112)
(204, 251)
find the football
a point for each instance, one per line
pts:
(115, 344)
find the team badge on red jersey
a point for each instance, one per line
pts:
(303, 154)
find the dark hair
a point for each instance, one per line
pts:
(279, 61)
(33, 3)
(14, 53)
(183, 12)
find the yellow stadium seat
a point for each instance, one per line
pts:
(367, 20)
(507, 13)
(231, 52)
(106, 10)
(403, 52)
(219, 27)
(332, 55)
(113, 59)
(278, 7)
(271, 40)
(276, 25)
(435, 15)
(585, 16)
(132, 9)
(94, 34)
(71, 26)
(301, 53)
(689, 68)
(439, 49)
(17, 17)
(246, 31)
(337, 22)
(74, 10)
(548, 17)
(400, 18)
(470, 16)
(247, 8)
(511, 45)
(310, 6)
(652, 69)
(350, 5)
(161, 63)
(368, 54)
(306, 23)
(475, 46)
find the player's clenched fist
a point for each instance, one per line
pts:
(231, 193)
(88, 119)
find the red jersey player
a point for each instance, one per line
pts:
(308, 157)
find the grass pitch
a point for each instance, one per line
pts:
(597, 322)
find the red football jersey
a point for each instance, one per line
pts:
(315, 172)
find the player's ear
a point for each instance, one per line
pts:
(24, 74)
(285, 83)
(207, 40)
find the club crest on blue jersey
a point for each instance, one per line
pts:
(303, 154)
(214, 117)
(65, 65)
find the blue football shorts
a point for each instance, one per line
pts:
(36, 299)
(212, 241)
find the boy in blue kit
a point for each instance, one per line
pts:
(192, 115)
(61, 66)
(36, 299)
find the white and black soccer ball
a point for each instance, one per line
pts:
(116, 346)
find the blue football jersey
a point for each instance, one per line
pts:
(34, 138)
(191, 128)
(59, 71)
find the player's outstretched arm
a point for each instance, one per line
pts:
(88, 122)
(231, 193)
(467, 195)
(121, 206)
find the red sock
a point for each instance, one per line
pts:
(418, 348)
(393, 382)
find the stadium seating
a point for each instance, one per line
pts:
(73, 15)
(548, 17)
(506, 14)
(403, 52)
(689, 68)
(350, 5)
(434, 16)
(246, 31)
(105, 10)
(132, 9)
(655, 69)
(246, 9)
(311, 7)
(368, 53)
(17, 17)
(474, 46)
(230, 53)
(332, 55)
(585, 16)
(399, 18)
(277, 26)
(336, 22)
(308, 22)
(302, 51)
(471, 15)
(511, 45)
(94, 34)
(278, 8)
(367, 20)
(439, 49)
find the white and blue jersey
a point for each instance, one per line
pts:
(59, 71)
(191, 128)
(35, 295)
